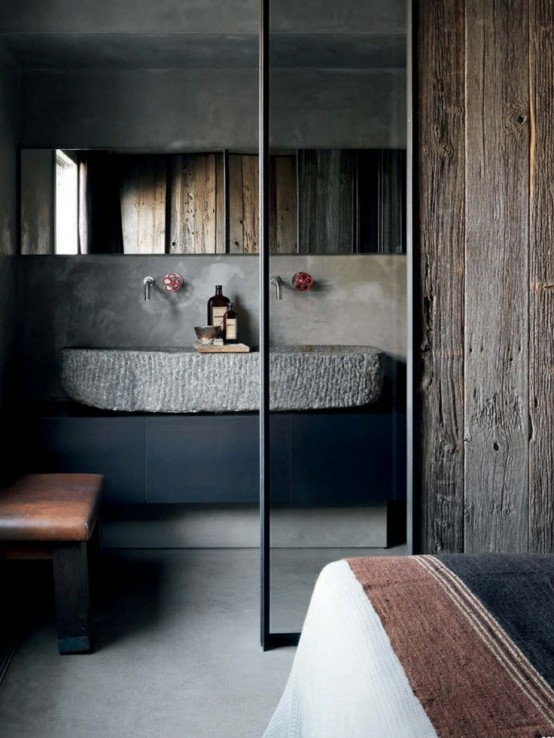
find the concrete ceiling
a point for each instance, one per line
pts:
(164, 34)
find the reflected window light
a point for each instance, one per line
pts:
(67, 197)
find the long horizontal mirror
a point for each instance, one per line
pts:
(323, 201)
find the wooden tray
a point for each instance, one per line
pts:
(230, 348)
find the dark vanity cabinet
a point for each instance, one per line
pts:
(344, 459)
(322, 458)
(212, 458)
(112, 446)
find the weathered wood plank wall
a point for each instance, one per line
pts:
(485, 80)
(541, 279)
(143, 204)
(283, 209)
(196, 214)
(496, 269)
(441, 187)
(243, 203)
(326, 200)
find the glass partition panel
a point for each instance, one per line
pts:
(337, 306)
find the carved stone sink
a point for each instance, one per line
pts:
(180, 380)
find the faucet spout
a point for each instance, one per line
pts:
(148, 282)
(278, 283)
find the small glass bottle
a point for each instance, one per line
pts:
(217, 307)
(231, 325)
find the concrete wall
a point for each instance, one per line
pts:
(200, 16)
(9, 125)
(199, 109)
(98, 301)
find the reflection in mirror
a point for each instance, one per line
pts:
(322, 201)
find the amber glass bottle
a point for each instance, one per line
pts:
(217, 307)
(231, 326)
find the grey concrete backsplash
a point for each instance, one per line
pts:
(99, 301)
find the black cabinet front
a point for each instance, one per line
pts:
(316, 458)
(343, 459)
(212, 458)
(114, 447)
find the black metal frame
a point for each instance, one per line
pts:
(277, 640)
(268, 640)
(263, 153)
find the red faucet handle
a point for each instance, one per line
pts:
(173, 282)
(302, 281)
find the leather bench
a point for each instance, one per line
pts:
(54, 516)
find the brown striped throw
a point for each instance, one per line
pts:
(475, 637)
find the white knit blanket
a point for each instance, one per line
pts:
(346, 681)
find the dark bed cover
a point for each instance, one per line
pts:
(475, 636)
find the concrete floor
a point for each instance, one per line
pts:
(177, 652)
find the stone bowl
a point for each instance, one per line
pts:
(206, 333)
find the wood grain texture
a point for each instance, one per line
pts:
(283, 205)
(439, 364)
(195, 218)
(496, 276)
(143, 203)
(326, 201)
(243, 204)
(541, 279)
(220, 245)
(230, 348)
(392, 195)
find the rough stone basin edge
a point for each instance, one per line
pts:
(183, 381)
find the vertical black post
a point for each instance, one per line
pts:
(263, 143)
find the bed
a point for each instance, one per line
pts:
(422, 646)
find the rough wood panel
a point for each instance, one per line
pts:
(143, 202)
(220, 245)
(307, 201)
(193, 210)
(496, 283)
(243, 204)
(439, 366)
(541, 278)
(236, 205)
(392, 195)
(326, 201)
(283, 205)
(250, 199)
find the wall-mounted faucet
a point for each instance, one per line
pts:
(148, 282)
(278, 282)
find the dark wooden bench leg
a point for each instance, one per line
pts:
(71, 586)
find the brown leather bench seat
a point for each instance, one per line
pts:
(54, 516)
